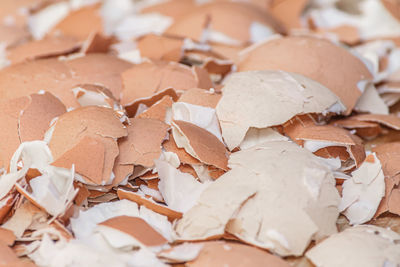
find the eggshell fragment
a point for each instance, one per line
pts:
(362, 193)
(51, 46)
(371, 102)
(391, 121)
(179, 190)
(170, 8)
(212, 22)
(291, 53)
(81, 22)
(6, 236)
(200, 143)
(251, 99)
(159, 110)
(140, 200)
(143, 143)
(363, 245)
(234, 204)
(93, 121)
(137, 228)
(196, 96)
(367, 130)
(288, 11)
(160, 47)
(9, 258)
(181, 253)
(221, 253)
(139, 86)
(35, 119)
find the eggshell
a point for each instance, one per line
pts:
(137, 228)
(35, 119)
(250, 99)
(391, 121)
(143, 143)
(51, 46)
(158, 110)
(158, 47)
(8, 258)
(362, 193)
(138, 85)
(201, 144)
(288, 11)
(255, 183)
(184, 157)
(171, 8)
(81, 22)
(97, 122)
(220, 17)
(363, 245)
(309, 56)
(140, 200)
(7, 237)
(200, 97)
(221, 253)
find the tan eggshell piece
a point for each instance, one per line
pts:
(121, 171)
(147, 79)
(58, 77)
(220, 17)
(35, 119)
(221, 253)
(159, 110)
(9, 112)
(81, 22)
(171, 8)
(97, 43)
(9, 259)
(344, 33)
(206, 146)
(367, 130)
(315, 58)
(253, 202)
(141, 200)
(363, 245)
(11, 8)
(196, 96)
(137, 228)
(251, 99)
(143, 143)
(12, 35)
(88, 158)
(326, 133)
(389, 155)
(99, 69)
(93, 121)
(288, 11)
(160, 47)
(50, 46)
(183, 156)
(7, 236)
(391, 121)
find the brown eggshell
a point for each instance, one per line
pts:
(143, 143)
(184, 157)
(345, 33)
(221, 253)
(171, 8)
(207, 147)
(147, 79)
(50, 46)
(315, 58)
(391, 121)
(101, 123)
(35, 119)
(158, 111)
(221, 16)
(367, 130)
(9, 259)
(12, 9)
(140, 200)
(200, 97)
(7, 236)
(58, 77)
(88, 158)
(160, 47)
(326, 133)
(12, 35)
(137, 228)
(121, 171)
(9, 112)
(81, 22)
(97, 43)
(288, 11)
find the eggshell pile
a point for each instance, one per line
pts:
(146, 133)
